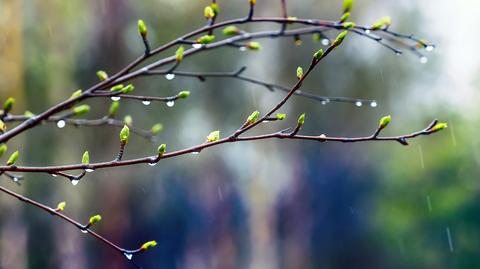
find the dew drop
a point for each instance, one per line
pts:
(170, 103)
(324, 102)
(170, 76)
(146, 102)
(196, 152)
(197, 46)
(398, 53)
(325, 42)
(15, 179)
(84, 231)
(423, 60)
(75, 182)
(243, 48)
(54, 175)
(152, 164)
(373, 104)
(429, 48)
(61, 124)
(115, 98)
(129, 256)
(89, 170)
(358, 103)
(367, 31)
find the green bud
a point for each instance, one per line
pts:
(319, 54)
(349, 25)
(13, 158)
(183, 94)
(301, 119)
(3, 149)
(8, 104)
(316, 37)
(76, 94)
(157, 128)
(28, 114)
(86, 158)
(254, 45)
(179, 54)
(142, 28)
(61, 206)
(231, 31)
(116, 88)
(81, 110)
(3, 126)
(339, 39)
(128, 89)
(102, 75)
(252, 2)
(149, 244)
(347, 5)
(439, 126)
(345, 17)
(382, 23)
(213, 136)
(162, 149)
(281, 116)
(208, 12)
(215, 8)
(112, 111)
(124, 134)
(95, 219)
(384, 121)
(206, 39)
(299, 72)
(128, 120)
(253, 117)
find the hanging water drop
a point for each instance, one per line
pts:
(89, 170)
(152, 163)
(146, 102)
(129, 256)
(170, 76)
(429, 48)
(367, 31)
(170, 103)
(358, 103)
(423, 60)
(54, 175)
(15, 179)
(84, 231)
(196, 152)
(61, 124)
(197, 46)
(325, 42)
(242, 48)
(75, 182)
(115, 98)
(373, 104)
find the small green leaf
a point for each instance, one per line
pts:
(301, 119)
(81, 110)
(128, 89)
(86, 158)
(299, 72)
(439, 126)
(206, 39)
(213, 136)
(183, 94)
(128, 120)
(148, 245)
(281, 116)
(339, 38)
(231, 31)
(142, 28)
(124, 134)
(61, 206)
(3, 126)
(116, 88)
(76, 94)
(208, 12)
(345, 17)
(102, 75)
(384, 121)
(157, 128)
(162, 149)
(3, 149)
(95, 219)
(253, 117)
(8, 104)
(347, 5)
(254, 45)
(179, 54)
(349, 25)
(319, 54)
(112, 111)
(13, 158)
(216, 8)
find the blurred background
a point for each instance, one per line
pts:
(269, 204)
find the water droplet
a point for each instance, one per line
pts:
(373, 104)
(170, 76)
(84, 231)
(429, 48)
(89, 170)
(54, 175)
(197, 46)
(196, 152)
(398, 53)
(75, 182)
(146, 102)
(243, 48)
(324, 102)
(15, 179)
(129, 256)
(423, 60)
(367, 31)
(358, 103)
(152, 164)
(115, 98)
(325, 42)
(170, 103)
(61, 124)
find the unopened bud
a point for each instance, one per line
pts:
(116, 88)
(76, 94)
(3, 126)
(254, 45)
(345, 17)
(124, 134)
(208, 13)
(102, 75)
(157, 128)
(301, 119)
(13, 158)
(213, 136)
(81, 110)
(231, 30)
(281, 116)
(162, 149)
(253, 117)
(439, 126)
(142, 28)
(299, 72)
(347, 5)
(28, 114)
(319, 54)
(8, 104)
(206, 39)
(183, 94)
(149, 244)
(384, 121)
(349, 25)
(179, 54)
(112, 111)
(215, 8)
(252, 2)
(128, 120)
(94, 219)
(339, 39)
(61, 206)
(86, 158)
(3, 149)
(128, 89)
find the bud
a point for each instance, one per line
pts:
(345, 17)
(112, 111)
(319, 54)
(213, 136)
(13, 158)
(86, 158)
(206, 39)
(116, 88)
(215, 8)
(94, 219)
(299, 72)
(253, 117)
(384, 22)
(301, 119)
(231, 30)
(102, 75)
(76, 94)
(61, 206)
(128, 89)
(183, 94)
(347, 5)
(149, 244)
(3, 126)
(128, 120)
(81, 110)
(124, 134)
(349, 25)
(8, 104)
(179, 54)
(316, 37)
(3, 149)
(142, 28)
(438, 127)
(252, 2)
(162, 149)
(384, 122)
(28, 114)
(208, 13)
(339, 39)
(157, 128)
(281, 116)
(254, 45)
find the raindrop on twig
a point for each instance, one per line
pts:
(61, 124)
(170, 103)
